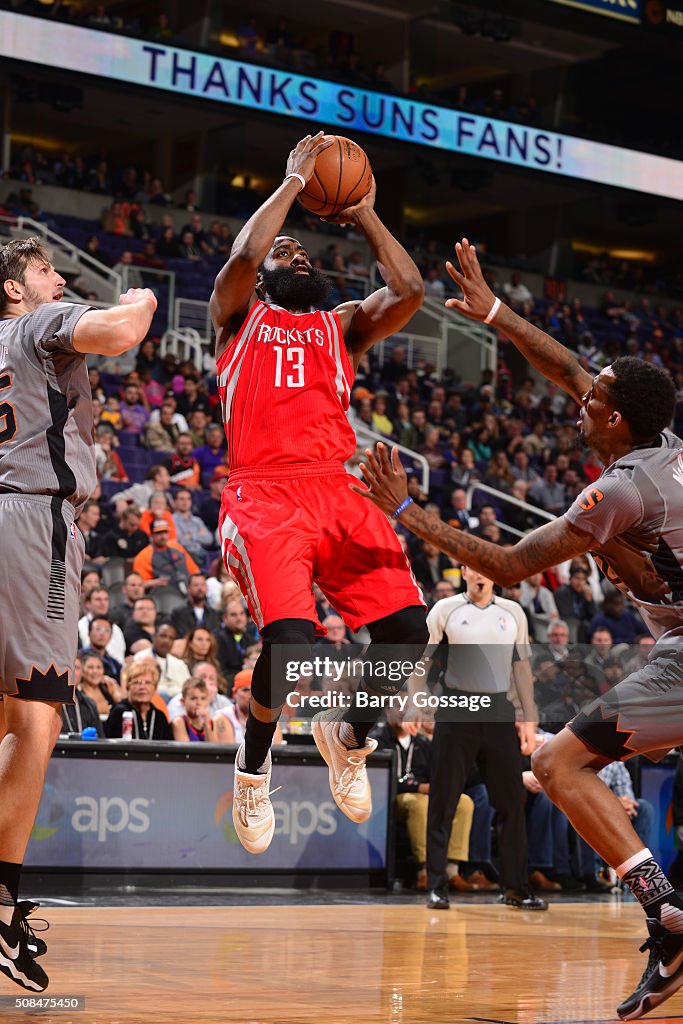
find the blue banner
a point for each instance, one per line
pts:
(624, 10)
(344, 108)
(178, 816)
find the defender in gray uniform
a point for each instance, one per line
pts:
(47, 471)
(631, 519)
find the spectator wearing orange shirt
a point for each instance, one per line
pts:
(159, 508)
(164, 561)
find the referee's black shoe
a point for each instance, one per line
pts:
(663, 975)
(438, 901)
(523, 899)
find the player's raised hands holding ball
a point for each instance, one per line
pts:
(301, 161)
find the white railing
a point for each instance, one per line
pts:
(185, 344)
(366, 437)
(80, 262)
(502, 496)
(193, 314)
(417, 347)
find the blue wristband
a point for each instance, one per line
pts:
(401, 508)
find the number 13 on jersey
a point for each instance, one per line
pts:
(295, 358)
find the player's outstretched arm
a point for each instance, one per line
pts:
(549, 357)
(542, 548)
(390, 308)
(235, 283)
(113, 331)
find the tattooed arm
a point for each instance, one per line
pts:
(550, 544)
(549, 357)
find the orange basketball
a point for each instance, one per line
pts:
(342, 177)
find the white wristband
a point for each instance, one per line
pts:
(300, 177)
(492, 312)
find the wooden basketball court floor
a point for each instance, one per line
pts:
(343, 964)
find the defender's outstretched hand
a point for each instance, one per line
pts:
(386, 480)
(478, 299)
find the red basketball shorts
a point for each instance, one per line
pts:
(303, 524)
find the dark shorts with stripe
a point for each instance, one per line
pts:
(41, 557)
(643, 714)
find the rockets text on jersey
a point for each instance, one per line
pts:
(284, 384)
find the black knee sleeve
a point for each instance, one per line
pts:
(406, 626)
(398, 639)
(286, 642)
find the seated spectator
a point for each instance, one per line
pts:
(434, 286)
(107, 460)
(164, 561)
(82, 714)
(195, 724)
(614, 616)
(412, 799)
(431, 448)
(429, 565)
(159, 508)
(575, 600)
(182, 466)
(87, 523)
(192, 532)
(99, 637)
(639, 654)
(641, 812)
(558, 640)
(549, 493)
(538, 601)
(196, 229)
(126, 540)
(149, 723)
(516, 291)
(168, 246)
(198, 646)
(115, 221)
(134, 414)
(211, 455)
(197, 421)
(499, 473)
(335, 645)
(96, 605)
(233, 638)
(188, 249)
(133, 588)
(214, 684)
(457, 514)
(141, 624)
(193, 397)
(102, 690)
(211, 506)
(161, 436)
(173, 671)
(230, 722)
(380, 420)
(197, 612)
(179, 421)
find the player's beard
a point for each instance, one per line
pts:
(290, 290)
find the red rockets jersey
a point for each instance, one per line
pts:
(284, 383)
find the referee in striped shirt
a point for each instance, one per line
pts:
(488, 649)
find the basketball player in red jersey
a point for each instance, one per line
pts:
(288, 517)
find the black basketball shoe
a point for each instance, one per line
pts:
(17, 960)
(523, 898)
(36, 947)
(663, 975)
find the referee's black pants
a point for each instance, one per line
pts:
(494, 747)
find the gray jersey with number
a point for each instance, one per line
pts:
(46, 424)
(635, 513)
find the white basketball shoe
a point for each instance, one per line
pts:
(252, 811)
(348, 773)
